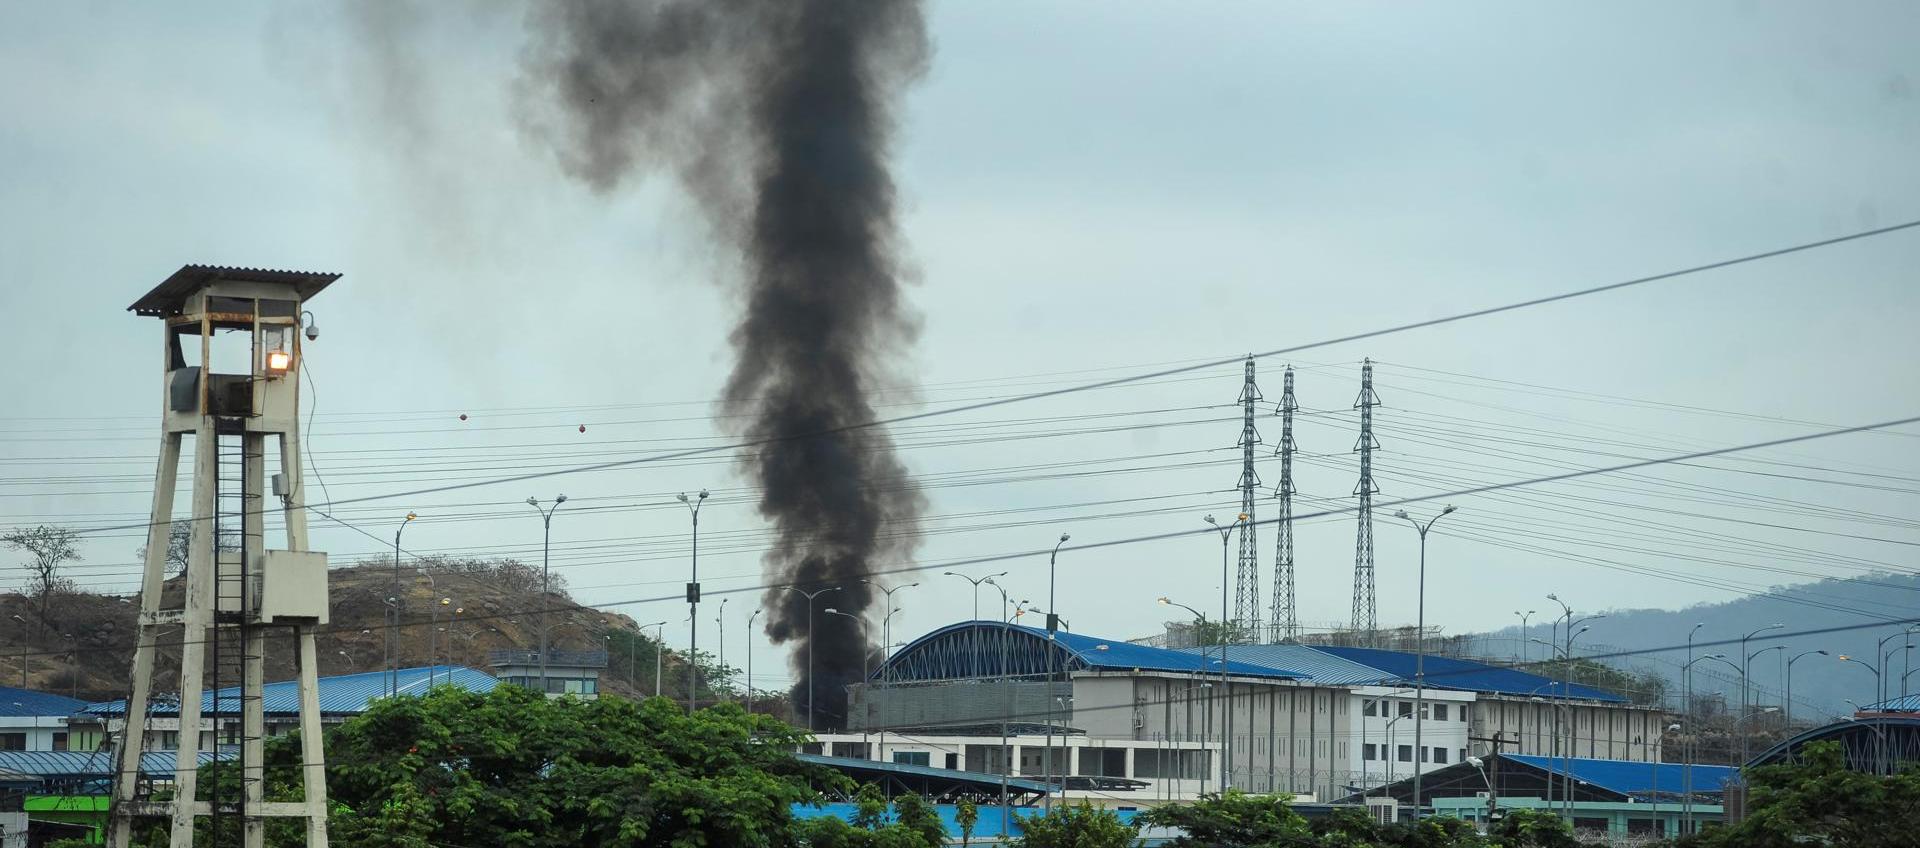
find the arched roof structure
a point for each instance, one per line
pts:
(1874, 743)
(981, 649)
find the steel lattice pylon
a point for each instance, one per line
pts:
(1365, 614)
(1246, 603)
(1284, 621)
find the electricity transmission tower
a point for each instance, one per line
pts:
(1246, 604)
(1365, 616)
(1285, 622)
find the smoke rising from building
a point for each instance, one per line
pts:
(777, 116)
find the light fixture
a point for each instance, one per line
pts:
(278, 361)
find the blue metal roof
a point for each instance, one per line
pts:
(340, 694)
(1450, 673)
(1121, 655)
(978, 648)
(1633, 779)
(87, 764)
(22, 703)
(1313, 664)
(1903, 704)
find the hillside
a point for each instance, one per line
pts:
(83, 644)
(1821, 684)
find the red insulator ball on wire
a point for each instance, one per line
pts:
(583, 428)
(463, 416)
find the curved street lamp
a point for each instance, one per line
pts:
(1420, 652)
(546, 557)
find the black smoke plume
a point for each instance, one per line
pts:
(777, 116)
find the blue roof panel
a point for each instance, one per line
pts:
(1903, 704)
(1311, 663)
(1450, 673)
(344, 693)
(1628, 777)
(21, 703)
(1121, 655)
(72, 764)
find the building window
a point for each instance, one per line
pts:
(1373, 708)
(1406, 753)
(1440, 756)
(59, 741)
(1371, 751)
(1439, 712)
(912, 758)
(13, 741)
(1406, 708)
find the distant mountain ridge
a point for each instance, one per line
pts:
(1811, 614)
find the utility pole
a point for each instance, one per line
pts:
(1365, 614)
(1285, 620)
(1246, 599)
(693, 608)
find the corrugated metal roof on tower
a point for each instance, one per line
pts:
(167, 298)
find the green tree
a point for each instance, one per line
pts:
(1233, 819)
(966, 814)
(512, 768)
(1076, 826)
(1533, 829)
(1819, 801)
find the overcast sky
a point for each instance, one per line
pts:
(1090, 190)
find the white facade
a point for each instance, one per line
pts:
(1164, 771)
(33, 733)
(1313, 741)
(1384, 749)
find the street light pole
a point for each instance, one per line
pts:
(975, 658)
(1744, 748)
(393, 613)
(750, 618)
(1420, 655)
(810, 596)
(693, 605)
(1686, 771)
(1524, 653)
(1053, 626)
(865, 674)
(1789, 703)
(1868, 666)
(1226, 623)
(1745, 667)
(1006, 766)
(546, 558)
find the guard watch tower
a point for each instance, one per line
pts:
(229, 380)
